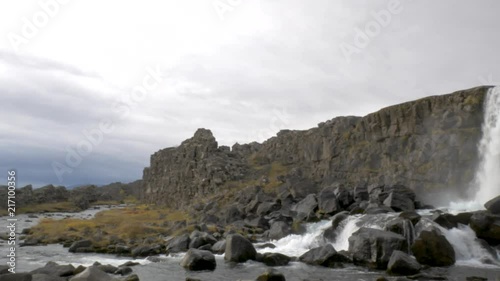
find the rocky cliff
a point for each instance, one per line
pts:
(429, 145)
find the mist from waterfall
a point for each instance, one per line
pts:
(488, 174)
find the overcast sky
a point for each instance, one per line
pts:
(90, 89)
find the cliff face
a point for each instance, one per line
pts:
(428, 145)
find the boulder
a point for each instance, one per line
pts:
(306, 208)
(92, 273)
(278, 230)
(131, 277)
(271, 275)
(331, 233)
(47, 277)
(123, 270)
(239, 249)
(232, 214)
(80, 246)
(267, 208)
(202, 239)
(432, 248)
(219, 247)
(399, 202)
(146, 250)
(344, 197)
(374, 247)
(196, 260)
(401, 263)
(486, 226)
(413, 216)
(54, 269)
(493, 205)
(324, 256)
(179, 244)
(108, 268)
(275, 259)
(360, 193)
(327, 201)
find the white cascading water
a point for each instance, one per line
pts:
(488, 174)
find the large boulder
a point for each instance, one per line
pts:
(54, 269)
(199, 239)
(324, 256)
(401, 263)
(239, 249)
(179, 244)
(92, 273)
(219, 247)
(432, 248)
(399, 202)
(306, 208)
(493, 205)
(81, 246)
(198, 260)
(331, 233)
(344, 197)
(374, 247)
(146, 250)
(327, 201)
(486, 226)
(275, 259)
(278, 230)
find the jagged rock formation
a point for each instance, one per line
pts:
(428, 145)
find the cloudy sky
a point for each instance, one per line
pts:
(90, 89)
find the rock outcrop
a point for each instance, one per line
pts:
(428, 145)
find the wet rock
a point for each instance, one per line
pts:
(493, 205)
(132, 277)
(401, 263)
(331, 233)
(219, 247)
(47, 277)
(324, 256)
(82, 246)
(108, 268)
(413, 216)
(92, 273)
(275, 259)
(179, 244)
(373, 247)
(54, 269)
(239, 249)
(432, 248)
(196, 260)
(374, 210)
(486, 226)
(271, 275)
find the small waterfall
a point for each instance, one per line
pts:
(488, 173)
(409, 233)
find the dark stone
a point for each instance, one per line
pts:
(306, 208)
(278, 230)
(327, 201)
(239, 249)
(401, 263)
(486, 226)
(196, 260)
(399, 202)
(108, 268)
(271, 275)
(324, 256)
(373, 247)
(146, 250)
(54, 269)
(275, 259)
(413, 216)
(493, 205)
(432, 248)
(344, 197)
(219, 247)
(179, 244)
(78, 245)
(123, 270)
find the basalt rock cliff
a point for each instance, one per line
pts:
(428, 145)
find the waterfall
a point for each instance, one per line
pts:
(488, 173)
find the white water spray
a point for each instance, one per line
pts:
(488, 174)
